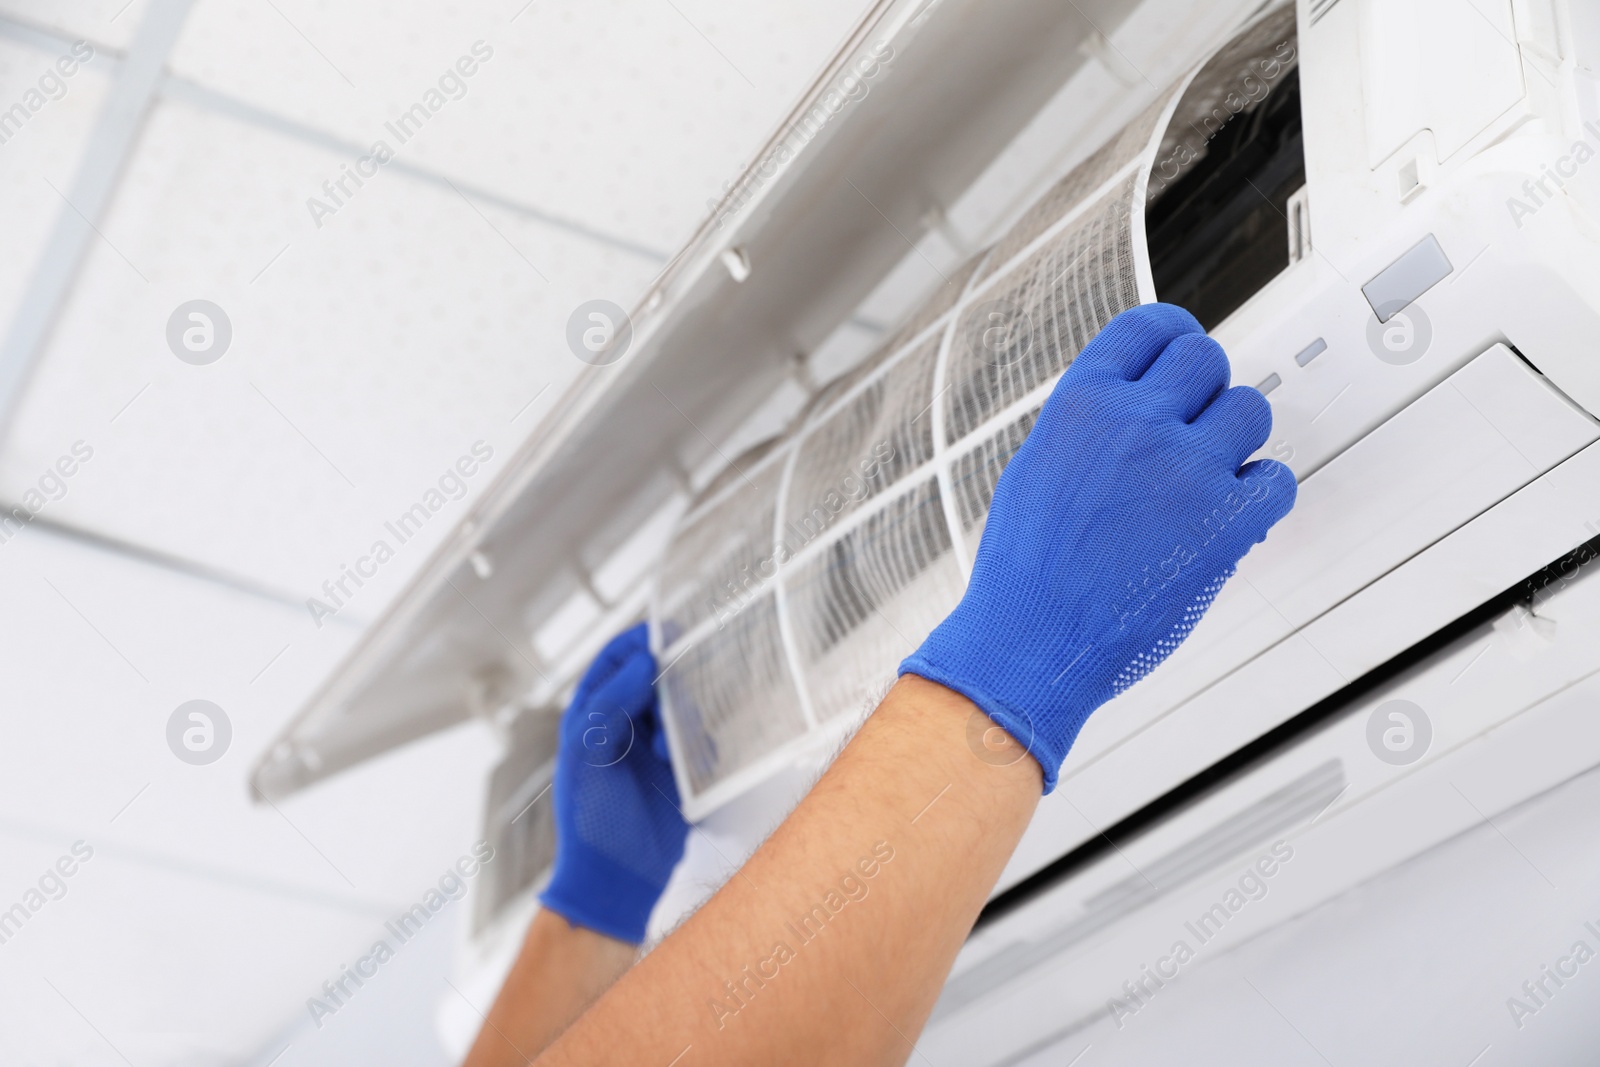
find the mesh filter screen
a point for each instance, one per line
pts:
(715, 563)
(1076, 187)
(864, 602)
(1029, 325)
(873, 440)
(858, 535)
(521, 832)
(731, 697)
(976, 473)
(943, 299)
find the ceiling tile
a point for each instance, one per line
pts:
(367, 356)
(39, 156)
(109, 22)
(201, 922)
(622, 115)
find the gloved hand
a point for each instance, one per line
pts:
(619, 832)
(1112, 530)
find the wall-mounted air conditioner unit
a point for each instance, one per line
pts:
(1385, 210)
(1386, 215)
(1396, 248)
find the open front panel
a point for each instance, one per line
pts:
(785, 605)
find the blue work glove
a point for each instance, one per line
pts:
(619, 832)
(1112, 530)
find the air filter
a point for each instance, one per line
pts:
(803, 575)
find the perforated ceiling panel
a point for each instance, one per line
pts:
(801, 578)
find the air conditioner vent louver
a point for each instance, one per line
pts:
(792, 591)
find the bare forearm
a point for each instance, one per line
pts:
(851, 913)
(561, 970)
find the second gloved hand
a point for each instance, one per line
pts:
(1112, 530)
(618, 829)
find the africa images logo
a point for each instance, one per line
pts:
(199, 732)
(1552, 181)
(339, 190)
(403, 928)
(450, 486)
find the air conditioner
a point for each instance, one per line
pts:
(1361, 234)
(1388, 213)
(1384, 212)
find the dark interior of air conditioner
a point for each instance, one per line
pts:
(1220, 232)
